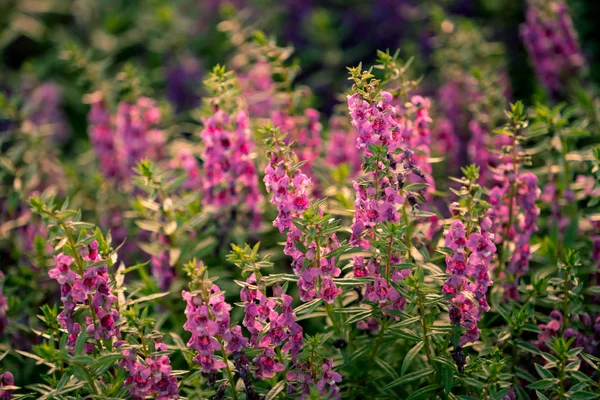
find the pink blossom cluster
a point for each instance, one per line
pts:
(321, 270)
(469, 278)
(208, 321)
(551, 42)
(150, 378)
(6, 379)
(162, 270)
(283, 330)
(461, 135)
(378, 200)
(290, 193)
(186, 160)
(384, 124)
(123, 140)
(229, 175)
(305, 131)
(258, 89)
(375, 122)
(327, 380)
(589, 341)
(91, 288)
(380, 291)
(418, 138)
(290, 196)
(340, 148)
(525, 213)
(480, 148)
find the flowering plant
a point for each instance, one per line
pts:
(428, 239)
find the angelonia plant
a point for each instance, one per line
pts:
(421, 241)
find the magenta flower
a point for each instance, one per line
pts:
(76, 289)
(551, 42)
(122, 140)
(151, 378)
(208, 321)
(524, 219)
(469, 278)
(266, 365)
(229, 175)
(6, 379)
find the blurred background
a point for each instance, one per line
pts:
(168, 45)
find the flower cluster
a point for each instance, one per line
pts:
(283, 330)
(399, 142)
(340, 149)
(229, 175)
(125, 139)
(150, 378)
(469, 278)
(289, 193)
(162, 270)
(418, 138)
(208, 321)
(305, 132)
(514, 214)
(326, 380)
(551, 42)
(90, 287)
(186, 160)
(376, 125)
(381, 290)
(258, 88)
(289, 190)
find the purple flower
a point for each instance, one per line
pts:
(229, 176)
(6, 379)
(551, 42)
(266, 365)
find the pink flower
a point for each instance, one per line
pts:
(266, 365)
(468, 268)
(209, 323)
(229, 178)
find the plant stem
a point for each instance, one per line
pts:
(229, 373)
(565, 302)
(511, 198)
(424, 325)
(375, 350)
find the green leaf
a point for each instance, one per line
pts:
(543, 384)
(414, 187)
(413, 376)
(423, 393)
(148, 298)
(410, 356)
(387, 367)
(544, 373)
(278, 388)
(358, 317)
(583, 395)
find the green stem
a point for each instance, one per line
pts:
(229, 373)
(375, 350)
(424, 325)
(561, 377)
(511, 198)
(565, 302)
